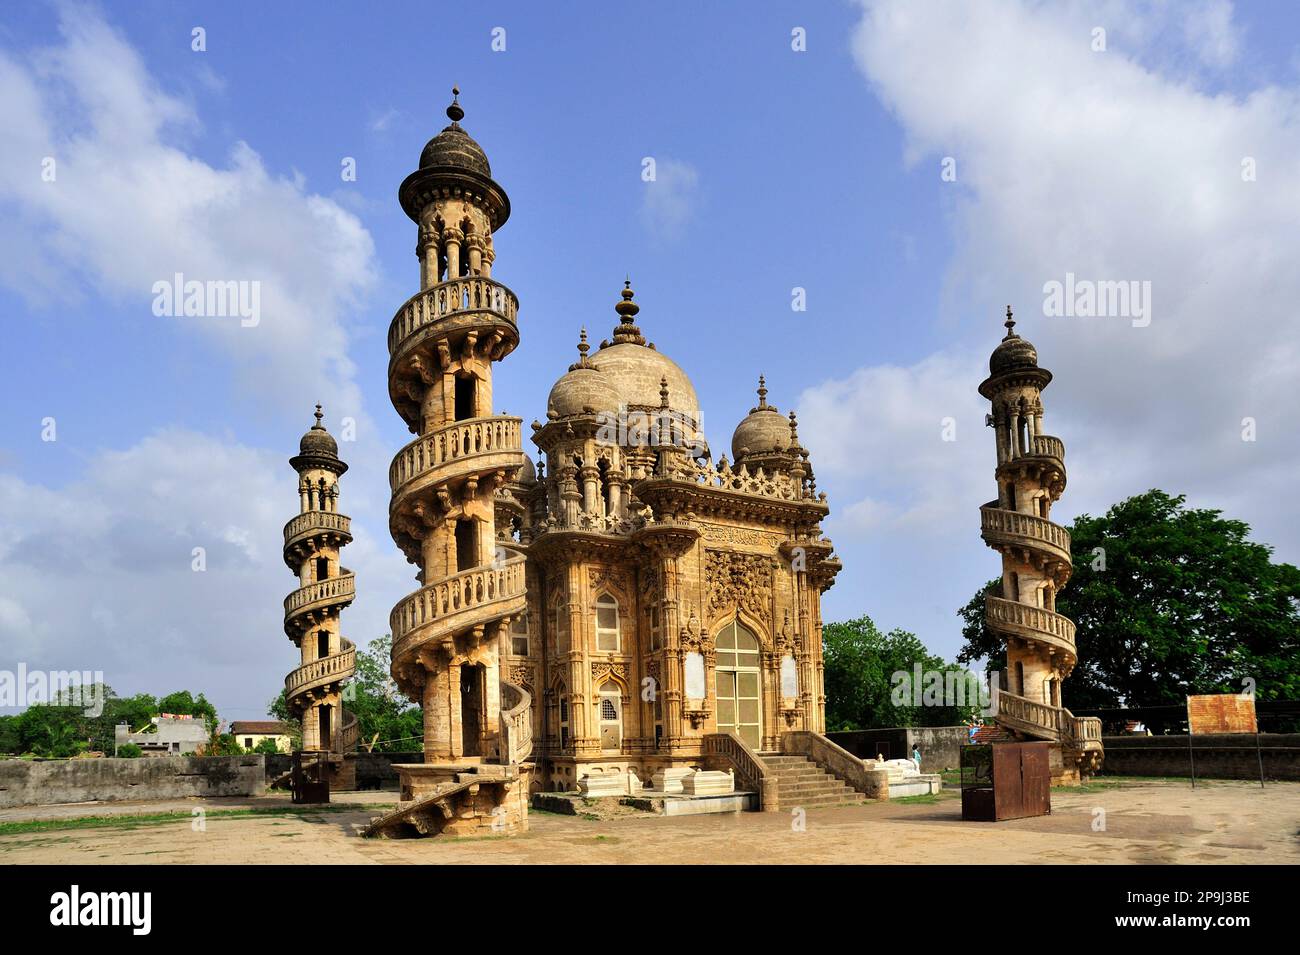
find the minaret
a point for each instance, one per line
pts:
(312, 542)
(448, 635)
(1036, 561)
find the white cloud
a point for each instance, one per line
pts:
(130, 206)
(1115, 167)
(99, 573)
(670, 199)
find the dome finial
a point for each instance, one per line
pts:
(1011, 324)
(663, 392)
(583, 347)
(319, 416)
(454, 112)
(626, 331)
(794, 431)
(762, 392)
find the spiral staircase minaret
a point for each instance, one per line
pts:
(442, 344)
(1036, 563)
(312, 544)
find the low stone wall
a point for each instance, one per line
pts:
(25, 782)
(940, 745)
(1218, 756)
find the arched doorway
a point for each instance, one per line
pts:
(739, 683)
(471, 708)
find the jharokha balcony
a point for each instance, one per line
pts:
(322, 671)
(1015, 619)
(472, 297)
(1003, 528)
(456, 603)
(472, 446)
(302, 606)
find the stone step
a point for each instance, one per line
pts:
(818, 801)
(822, 790)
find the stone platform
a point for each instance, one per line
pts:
(660, 804)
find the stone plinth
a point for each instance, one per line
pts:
(706, 783)
(670, 780)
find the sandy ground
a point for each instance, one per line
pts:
(1144, 822)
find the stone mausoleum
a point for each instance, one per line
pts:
(626, 609)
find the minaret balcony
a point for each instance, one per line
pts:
(322, 672)
(1034, 624)
(307, 605)
(471, 447)
(457, 603)
(469, 302)
(311, 526)
(1047, 446)
(1003, 529)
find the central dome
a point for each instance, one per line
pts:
(638, 372)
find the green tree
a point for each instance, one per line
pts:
(862, 668)
(1168, 600)
(382, 711)
(184, 704)
(267, 746)
(129, 751)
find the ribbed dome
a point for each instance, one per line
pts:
(1013, 352)
(453, 147)
(318, 441)
(762, 431)
(318, 449)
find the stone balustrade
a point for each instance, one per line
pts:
(454, 442)
(335, 590)
(1026, 620)
(1027, 529)
(471, 293)
(310, 522)
(467, 590)
(336, 666)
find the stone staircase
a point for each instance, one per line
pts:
(801, 783)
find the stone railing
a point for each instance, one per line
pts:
(1086, 729)
(1036, 719)
(457, 440)
(349, 733)
(996, 522)
(1026, 620)
(1048, 446)
(838, 761)
(336, 666)
(334, 590)
(313, 521)
(750, 769)
(727, 478)
(466, 590)
(516, 723)
(471, 293)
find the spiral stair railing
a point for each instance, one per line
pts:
(307, 606)
(1046, 545)
(449, 462)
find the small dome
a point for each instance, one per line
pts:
(528, 473)
(762, 431)
(455, 148)
(318, 441)
(583, 390)
(1013, 352)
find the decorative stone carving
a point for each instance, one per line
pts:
(743, 581)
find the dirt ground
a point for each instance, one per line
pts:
(1119, 822)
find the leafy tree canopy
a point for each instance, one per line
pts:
(861, 667)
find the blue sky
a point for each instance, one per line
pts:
(779, 169)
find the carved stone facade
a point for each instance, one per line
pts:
(628, 594)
